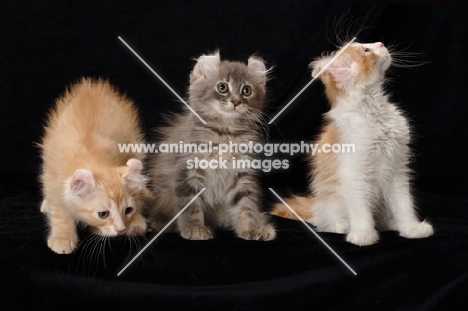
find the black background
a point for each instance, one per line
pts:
(46, 46)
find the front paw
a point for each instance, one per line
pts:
(137, 229)
(340, 227)
(416, 231)
(62, 246)
(197, 233)
(362, 237)
(264, 233)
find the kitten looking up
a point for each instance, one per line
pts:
(84, 176)
(357, 193)
(229, 97)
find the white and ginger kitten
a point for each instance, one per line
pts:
(229, 97)
(368, 190)
(84, 176)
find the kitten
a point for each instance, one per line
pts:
(229, 97)
(84, 176)
(350, 189)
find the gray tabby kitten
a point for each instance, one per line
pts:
(229, 97)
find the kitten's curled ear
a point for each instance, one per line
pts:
(206, 66)
(82, 183)
(316, 67)
(132, 176)
(258, 69)
(340, 70)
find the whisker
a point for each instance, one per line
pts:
(94, 254)
(97, 253)
(103, 250)
(130, 252)
(83, 249)
(402, 58)
(91, 249)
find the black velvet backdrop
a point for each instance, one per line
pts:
(45, 46)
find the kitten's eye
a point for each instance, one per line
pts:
(223, 88)
(103, 215)
(366, 49)
(128, 210)
(246, 90)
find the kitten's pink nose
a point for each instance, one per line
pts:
(235, 102)
(120, 230)
(381, 44)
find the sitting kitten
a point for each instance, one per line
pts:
(349, 189)
(229, 97)
(84, 176)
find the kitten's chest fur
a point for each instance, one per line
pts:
(217, 181)
(371, 121)
(220, 181)
(377, 129)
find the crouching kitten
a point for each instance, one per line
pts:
(84, 176)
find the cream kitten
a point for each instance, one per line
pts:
(229, 96)
(357, 193)
(84, 176)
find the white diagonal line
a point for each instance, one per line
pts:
(161, 79)
(313, 231)
(311, 81)
(162, 230)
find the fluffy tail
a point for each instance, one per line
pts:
(301, 205)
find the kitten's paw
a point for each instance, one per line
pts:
(62, 246)
(362, 238)
(340, 227)
(197, 233)
(416, 231)
(264, 233)
(137, 228)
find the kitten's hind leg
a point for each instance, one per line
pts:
(330, 215)
(400, 202)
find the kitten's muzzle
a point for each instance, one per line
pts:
(235, 102)
(120, 231)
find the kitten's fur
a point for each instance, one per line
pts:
(219, 93)
(360, 192)
(84, 176)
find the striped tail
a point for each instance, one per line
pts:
(301, 205)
